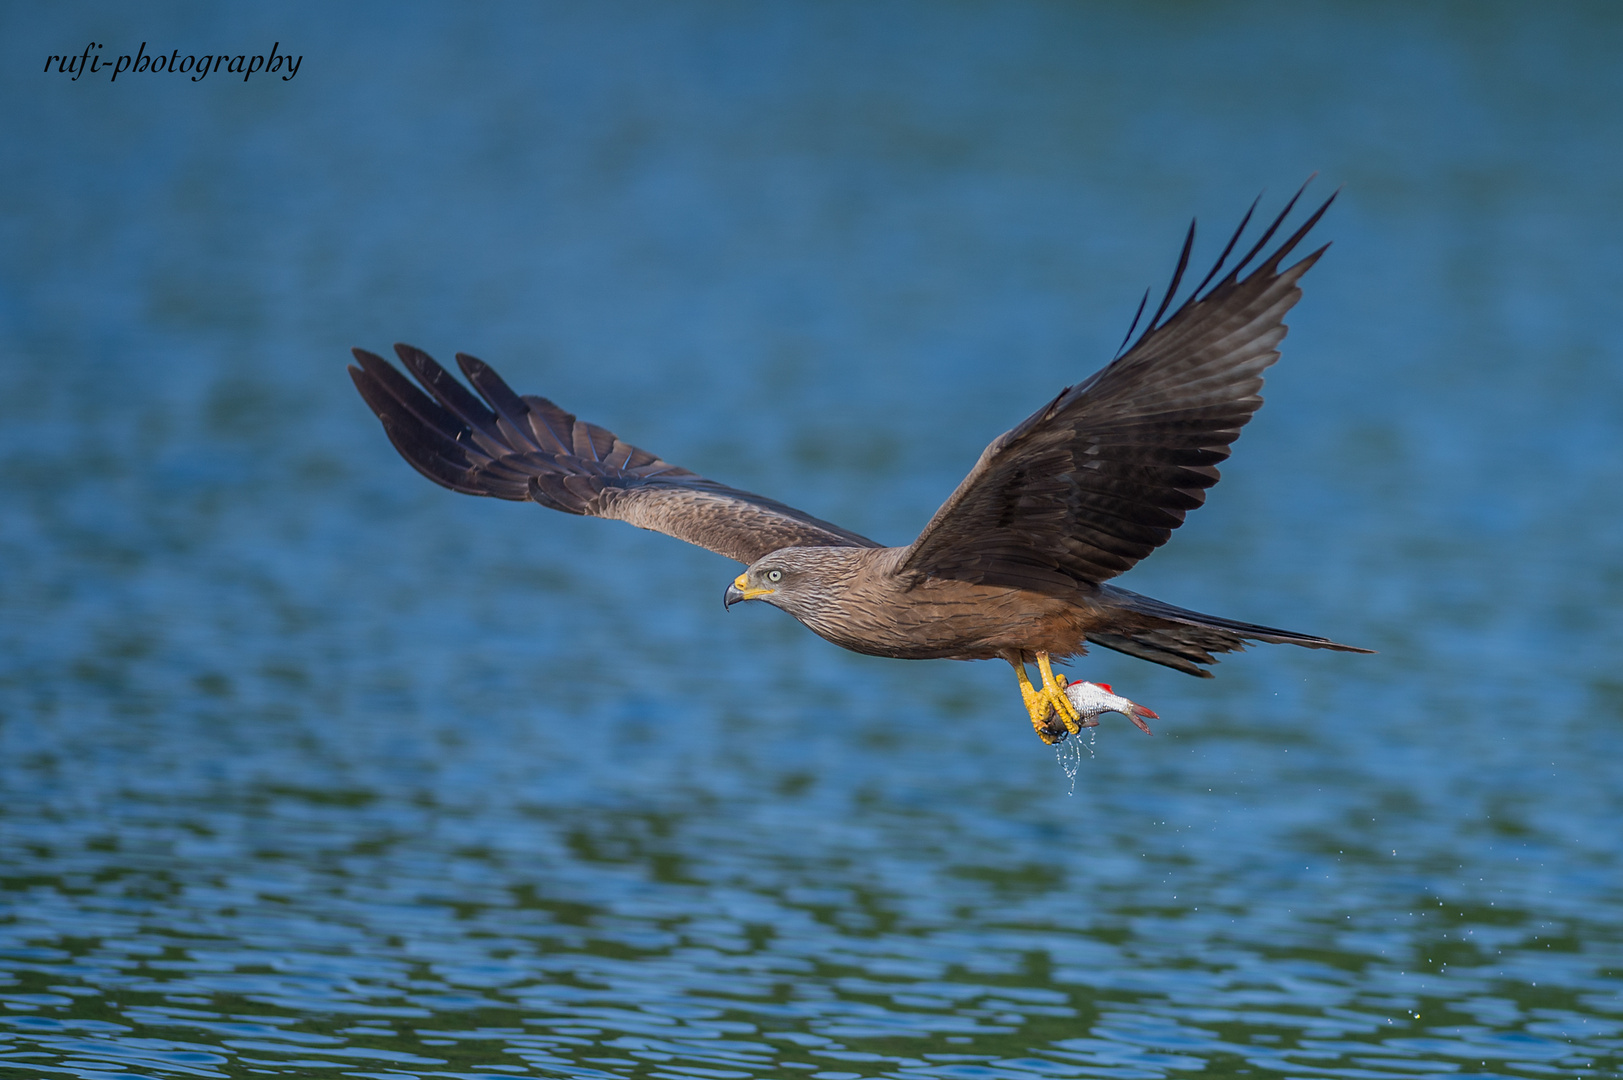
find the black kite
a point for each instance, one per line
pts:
(1013, 565)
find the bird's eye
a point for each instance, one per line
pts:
(774, 575)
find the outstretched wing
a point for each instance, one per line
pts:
(513, 447)
(1099, 477)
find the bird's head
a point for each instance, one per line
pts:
(790, 578)
(765, 580)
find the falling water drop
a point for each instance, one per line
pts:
(1069, 755)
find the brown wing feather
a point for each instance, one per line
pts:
(510, 447)
(1099, 477)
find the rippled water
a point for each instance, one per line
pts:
(308, 767)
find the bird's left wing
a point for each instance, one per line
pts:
(513, 447)
(1099, 477)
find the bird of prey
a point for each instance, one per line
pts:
(1013, 565)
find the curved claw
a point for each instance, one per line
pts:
(1054, 690)
(1046, 701)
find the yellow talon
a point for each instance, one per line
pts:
(1046, 701)
(1056, 693)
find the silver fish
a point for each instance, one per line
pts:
(1092, 699)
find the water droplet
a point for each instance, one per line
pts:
(1069, 756)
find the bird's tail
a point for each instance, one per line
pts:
(1185, 640)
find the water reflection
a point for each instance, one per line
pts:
(206, 932)
(310, 768)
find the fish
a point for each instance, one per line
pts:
(1093, 699)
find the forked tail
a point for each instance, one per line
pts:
(1182, 639)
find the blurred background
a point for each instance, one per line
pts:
(309, 767)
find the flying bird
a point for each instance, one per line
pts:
(1014, 564)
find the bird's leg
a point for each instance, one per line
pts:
(1036, 705)
(1054, 688)
(1046, 701)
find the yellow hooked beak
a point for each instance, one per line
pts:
(740, 590)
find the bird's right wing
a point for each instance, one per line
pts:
(1099, 477)
(513, 447)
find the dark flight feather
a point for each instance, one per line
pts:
(1097, 479)
(1137, 315)
(511, 447)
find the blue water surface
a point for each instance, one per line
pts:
(311, 768)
